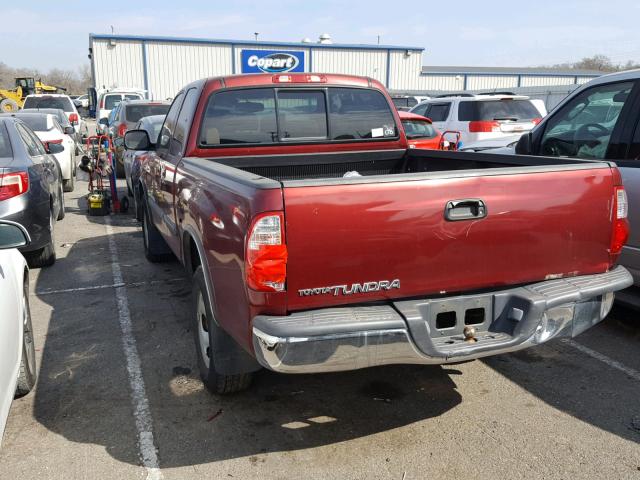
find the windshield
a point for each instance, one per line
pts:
(504, 109)
(133, 113)
(418, 129)
(62, 103)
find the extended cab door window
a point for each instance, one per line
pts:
(583, 127)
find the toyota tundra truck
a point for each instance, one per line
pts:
(316, 241)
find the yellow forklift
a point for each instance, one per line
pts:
(12, 100)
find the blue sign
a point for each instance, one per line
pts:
(271, 61)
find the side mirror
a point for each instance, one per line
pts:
(69, 131)
(137, 140)
(13, 235)
(104, 121)
(525, 145)
(53, 148)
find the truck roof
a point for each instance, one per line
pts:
(265, 79)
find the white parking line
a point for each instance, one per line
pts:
(604, 359)
(141, 411)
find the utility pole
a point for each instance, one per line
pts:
(256, 35)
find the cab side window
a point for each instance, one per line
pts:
(582, 128)
(33, 148)
(438, 112)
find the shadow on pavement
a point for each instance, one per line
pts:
(84, 394)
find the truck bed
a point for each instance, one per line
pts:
(545, 218)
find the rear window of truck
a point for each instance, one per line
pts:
(487, 110)
(269, 116)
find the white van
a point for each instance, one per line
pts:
(107, 100)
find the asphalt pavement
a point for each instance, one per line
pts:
(119, 396)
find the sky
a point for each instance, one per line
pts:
(46, 35)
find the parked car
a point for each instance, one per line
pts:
(30, 188)
(491, 144)
(108, 99)
(81, 102)
(421, 133)
(62, 102)
(387, 255)
(404, 103)
(49, 131)
(600, 120)
(134, 159)
(18, 372)
(128, 113)
(481, 117)
(63, 120)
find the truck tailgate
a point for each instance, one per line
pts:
(539, 225)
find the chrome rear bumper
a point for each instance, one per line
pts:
(412, 331)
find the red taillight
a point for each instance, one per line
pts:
(122, 129)
(102, 103)
(536, 121)
(73, 118)
(484, 126)
(266, 253)
(13, 184)
(53, 141)
(620, 230)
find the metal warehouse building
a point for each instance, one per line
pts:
(163, 65)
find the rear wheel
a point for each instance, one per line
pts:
(69, 185)
(28, 373)
(207, 335)
(46, 256)
(155, 248)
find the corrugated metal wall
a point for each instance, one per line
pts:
(368, 63)
(118, 65)
(540, 81)
(171, 66)
(480, 82)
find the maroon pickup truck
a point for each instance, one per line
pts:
(317, 241)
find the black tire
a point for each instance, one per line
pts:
(45, 257)
(61, 212)
(155, 248)
(28, 372)
(205, 325)
(119, 168)
(137, 202)
(69, 185)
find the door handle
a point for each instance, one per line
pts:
(465, 209)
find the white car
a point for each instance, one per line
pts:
(18, 371)
(49, 130)
(82, 101)
(491, 144)
(107, 100)
(62, 102)
(481, 117)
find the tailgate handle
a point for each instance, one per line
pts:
(466, 209)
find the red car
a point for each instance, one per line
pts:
(421, 133)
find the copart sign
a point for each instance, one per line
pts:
(272, 61)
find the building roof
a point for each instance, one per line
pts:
(258, 43)
(430, 69)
